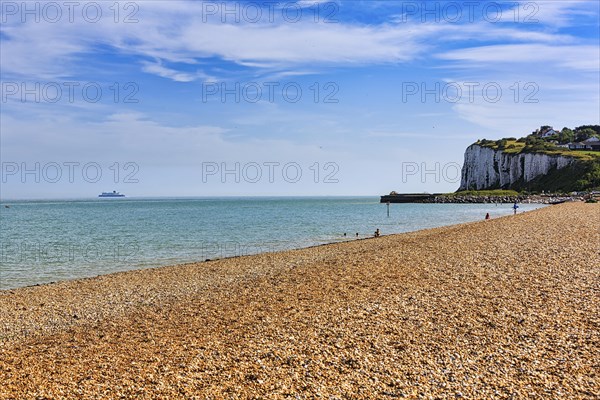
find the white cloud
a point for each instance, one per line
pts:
(263, 45)
(23, 52)
(419, 135)
(500, 120)
(158, 69)
(181, 32)
(529, 98)
(313, 3)
(558, 14)
(578, 57)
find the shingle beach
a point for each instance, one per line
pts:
(505, 308)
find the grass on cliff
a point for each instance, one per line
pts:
(512, 146)
(489, 193)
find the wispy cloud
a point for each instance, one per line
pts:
(558, 14)
(178, 76)
(579, 57)
(421, 135)
(180, 32)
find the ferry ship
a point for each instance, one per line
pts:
(114, 193)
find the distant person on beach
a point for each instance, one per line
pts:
(377, 233)
(515, 206)
(356, 234)
(487, 216)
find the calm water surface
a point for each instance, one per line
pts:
(46, 241)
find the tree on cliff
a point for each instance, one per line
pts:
(595, 128)
(591, 177)
(584, 134)
(566, 136)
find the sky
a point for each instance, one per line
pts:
(266, 98)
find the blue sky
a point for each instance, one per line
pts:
(168, 98)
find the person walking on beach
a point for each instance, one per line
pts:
(515, 206)
(487, 216)
(377, 233)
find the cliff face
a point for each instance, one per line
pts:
(486, 168)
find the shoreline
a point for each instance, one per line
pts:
(399, 314)
(233, 257)
(336, 240)
(241, 249)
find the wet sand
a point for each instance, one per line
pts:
(506, 308)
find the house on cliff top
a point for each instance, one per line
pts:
(548, 132)
(592, 144)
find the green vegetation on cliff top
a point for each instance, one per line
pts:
(513, 146)
(489, 193)
(538, 142)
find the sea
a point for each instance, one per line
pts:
(43, 241)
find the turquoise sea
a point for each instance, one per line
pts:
(46, 241)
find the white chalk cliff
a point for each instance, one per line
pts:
(486, 168)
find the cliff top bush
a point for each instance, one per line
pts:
(489, 193)
(536, 145)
